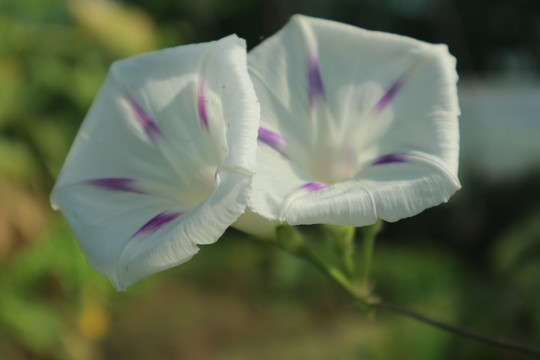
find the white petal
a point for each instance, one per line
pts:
(404, 189)
(390, 192)
(341, 98)
(276, 177)
(145, 181)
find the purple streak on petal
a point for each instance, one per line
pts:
(312, 186)
(390, 93)
(148, 125)
(315, 83)
(157, 222)
(201, 105)
(116, 184)
(270, 138)
(389, 159)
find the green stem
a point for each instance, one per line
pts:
(455, 330)
(330, 271)
(347, 254)
(291, 241)
(368, 241)
(342, 239)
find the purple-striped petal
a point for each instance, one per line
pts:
(346, 99)
(298, 193)
(157, 222)
(149, 126)
(270, 138)
(315, 83)
(389, 159)
(390, 93)
(312, 186)
(116, 184)
(201, 105)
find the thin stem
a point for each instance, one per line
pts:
(342, 238)
(454, 329)
(330, 271)
(347, 252)
(367, 253)
(290, 240)
(298, 248)
(368, 241)
(348, 263)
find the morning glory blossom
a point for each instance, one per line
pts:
(355, 125)
(164, 159)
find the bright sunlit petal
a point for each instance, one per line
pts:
(356, 124)
(163, 160)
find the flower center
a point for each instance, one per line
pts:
(334, 155)
(199, 187)
(333, 164)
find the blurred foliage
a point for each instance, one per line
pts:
(473, 262)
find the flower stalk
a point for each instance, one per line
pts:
(342, 238)
(368, 241)
(291, 240)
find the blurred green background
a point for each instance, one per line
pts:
(473, 262)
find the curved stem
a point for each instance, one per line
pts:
(368, 241)
(342, 238)
(332, 272)
(367, 254)
(299, 248)
(454, 329)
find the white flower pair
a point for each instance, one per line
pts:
(354, 125)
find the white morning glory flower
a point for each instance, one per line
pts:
(355, 125)
(164, 159)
